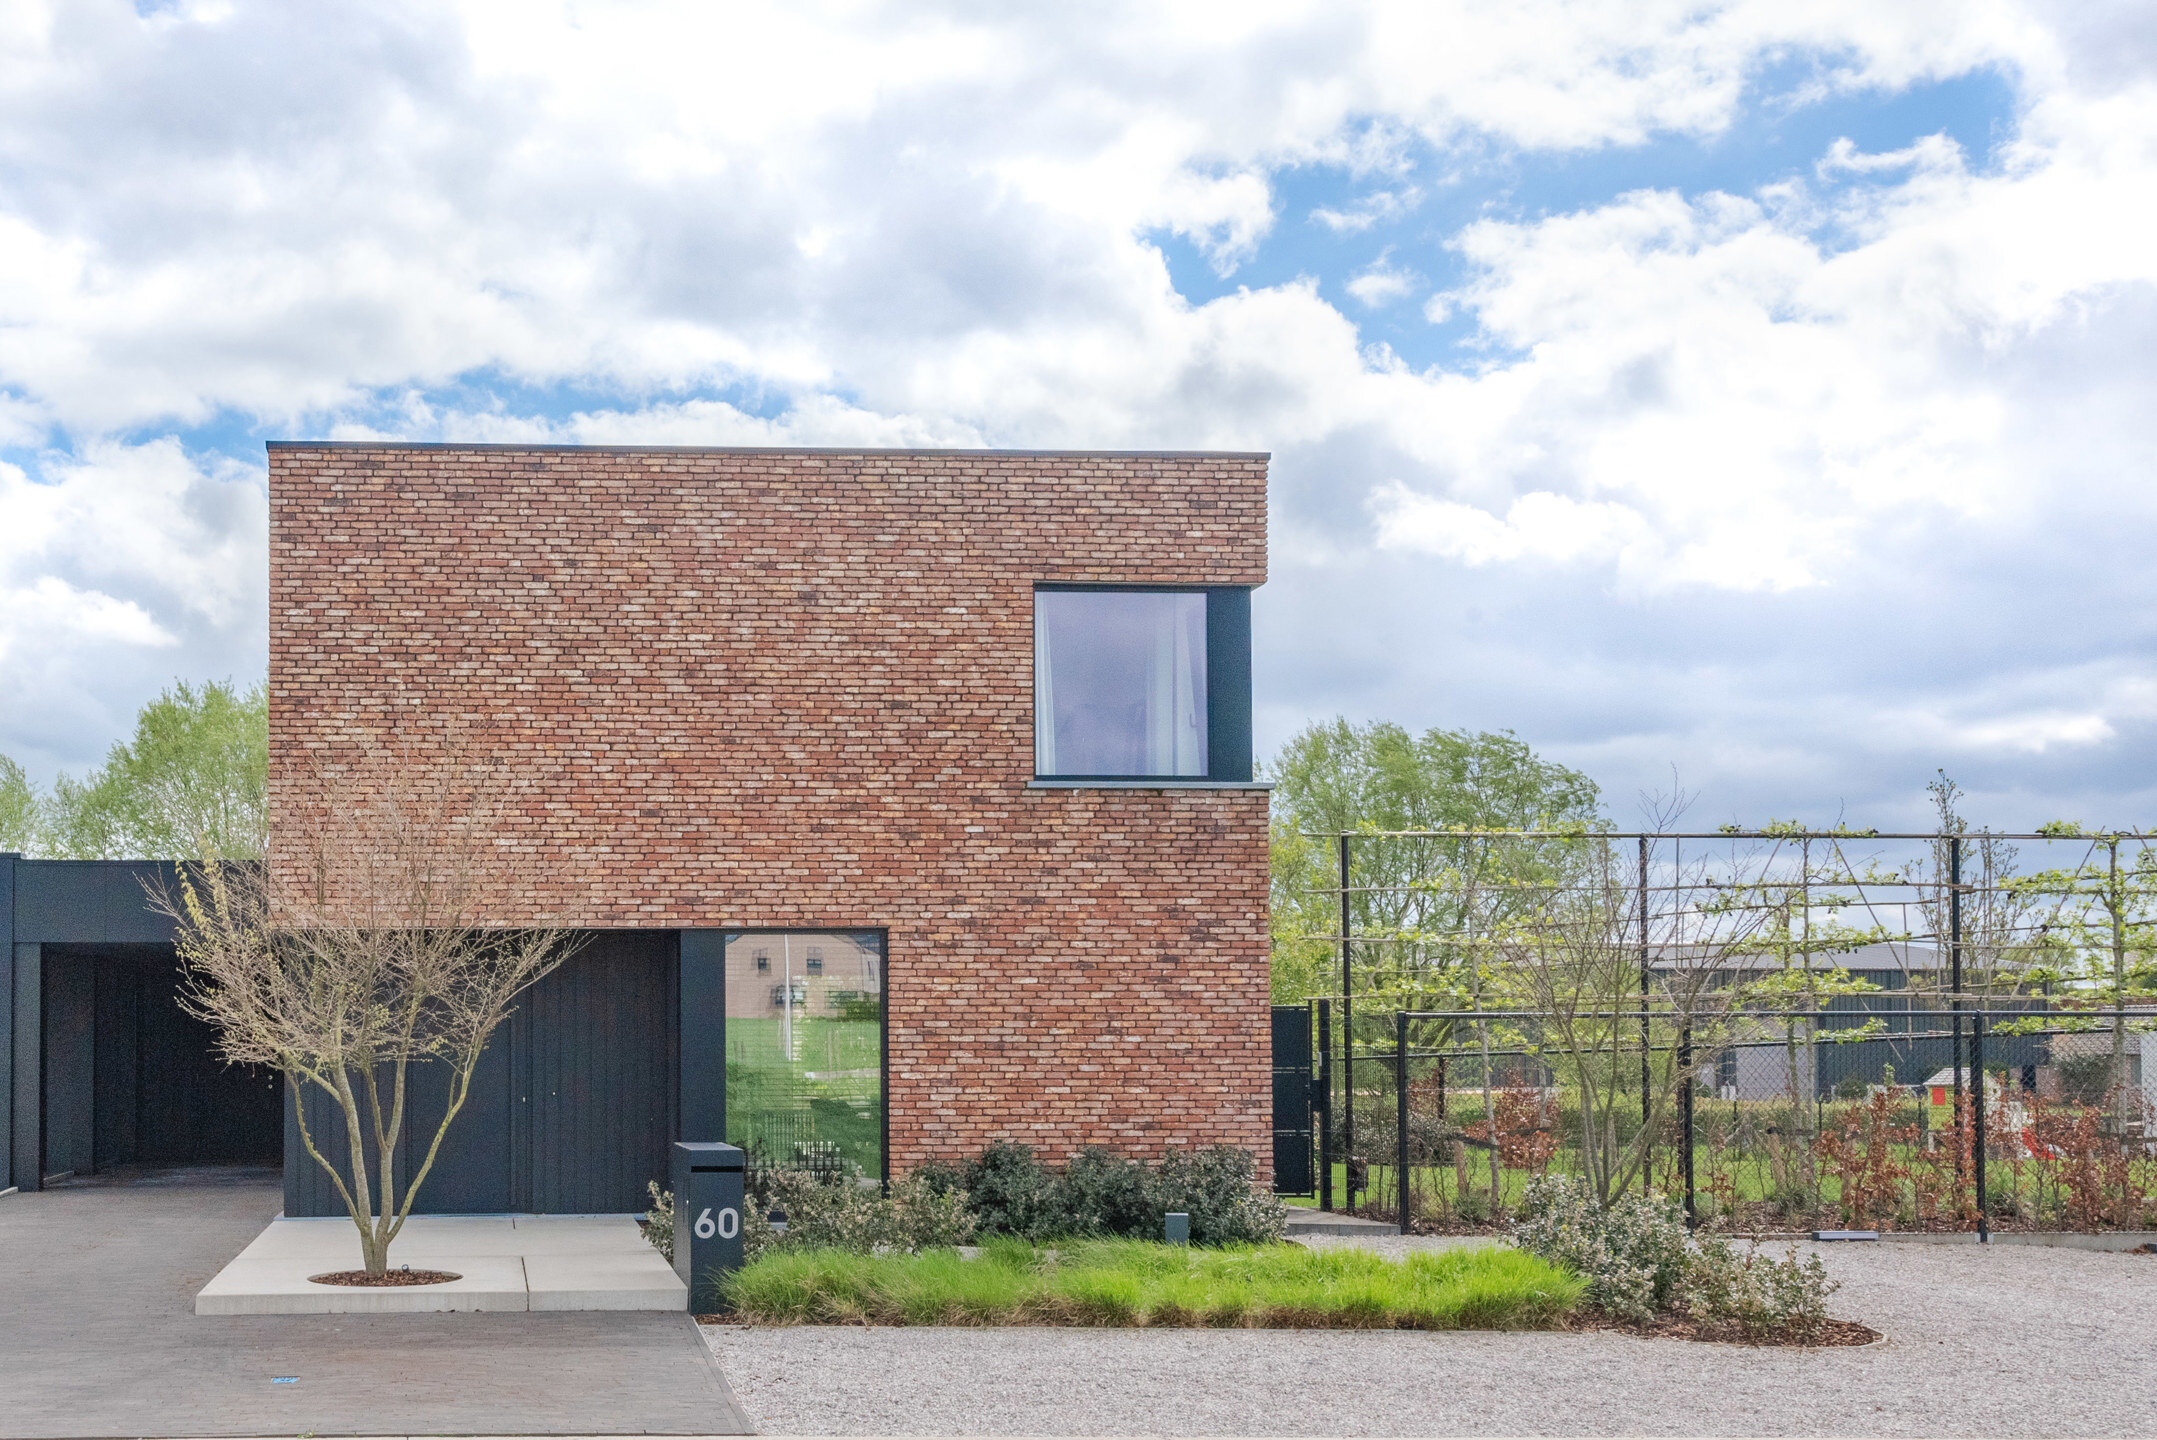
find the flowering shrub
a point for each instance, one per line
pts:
(1758, 1297)
(1633, 1255)
(841, 1214)
(1640, 1263)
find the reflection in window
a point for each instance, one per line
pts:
(1119, 682)
(804, 1049)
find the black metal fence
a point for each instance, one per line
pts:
(1786, 1030)
(1448, 1134)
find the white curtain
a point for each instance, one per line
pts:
(1044, 697)
(1175, 741)
(1120, 683)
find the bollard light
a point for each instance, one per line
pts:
(1177, 1230)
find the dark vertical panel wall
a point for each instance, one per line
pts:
(119, 1077)
(7, 1020)
(1228, 684)
(574, 1111)
(700, 1034)
(472, 1171)
(602, 1065)
(28, 1137)
(70, 1069)
(191, 1107)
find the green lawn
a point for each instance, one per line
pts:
(828, 1091)
(1137, 1283)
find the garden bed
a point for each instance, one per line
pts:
(1826, 1334)
(1138, 1284)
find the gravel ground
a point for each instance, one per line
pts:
(2007, 1340)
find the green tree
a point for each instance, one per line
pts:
(2099, 944)
(18, 809)
(193, 776)
(1419, 907)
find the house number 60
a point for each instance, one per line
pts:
(726, 1228)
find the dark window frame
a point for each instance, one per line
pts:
(1228, 683)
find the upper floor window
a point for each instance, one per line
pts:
(1120, 683)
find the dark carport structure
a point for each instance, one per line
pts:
(99, 1066)
(572, 1110)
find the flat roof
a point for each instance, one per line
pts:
(764, 450)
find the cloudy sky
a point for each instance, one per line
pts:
(1756, 389)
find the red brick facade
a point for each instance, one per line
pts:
(794, 688)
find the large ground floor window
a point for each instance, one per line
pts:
(805, 1048)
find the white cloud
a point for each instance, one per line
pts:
(938, 224)
(1382, 283)
(119, 570)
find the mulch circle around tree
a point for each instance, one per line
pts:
(1668, 1327)
(392, 1277)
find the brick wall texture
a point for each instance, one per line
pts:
(765, 688)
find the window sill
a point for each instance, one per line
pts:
(1194, 783)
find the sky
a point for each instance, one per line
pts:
(1749, 396)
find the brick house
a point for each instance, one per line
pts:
(908, 792)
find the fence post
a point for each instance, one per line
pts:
(1647, 1171)
(1325, 1105)
(1685, 1119)
(1400, 1100)
(1977, 1110)
(1348, 1031)
(1954, 962)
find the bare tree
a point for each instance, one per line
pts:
(372, 937)
(1575, 965)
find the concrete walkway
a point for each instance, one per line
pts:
(98, 1338)
(505, 1262)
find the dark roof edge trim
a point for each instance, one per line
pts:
(764, 450)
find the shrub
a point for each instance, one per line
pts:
(840, 1214)
(1758, 1297)
(1101, 1193)
(1632, 1255)
(659, 1220)
(1007, 1189)
(926, 1218)
(1214, 1188)
(1639, 1263)
(1104, 1194)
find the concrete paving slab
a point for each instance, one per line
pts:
(604, 1281)
(586, 1262)
(556, 1235)
(279, 1285)
(98, 1338)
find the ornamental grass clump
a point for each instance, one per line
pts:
(1137, 1283)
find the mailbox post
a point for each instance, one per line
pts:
(707, 1219)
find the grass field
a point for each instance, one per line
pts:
(1135, 1283)
(829, 1090)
